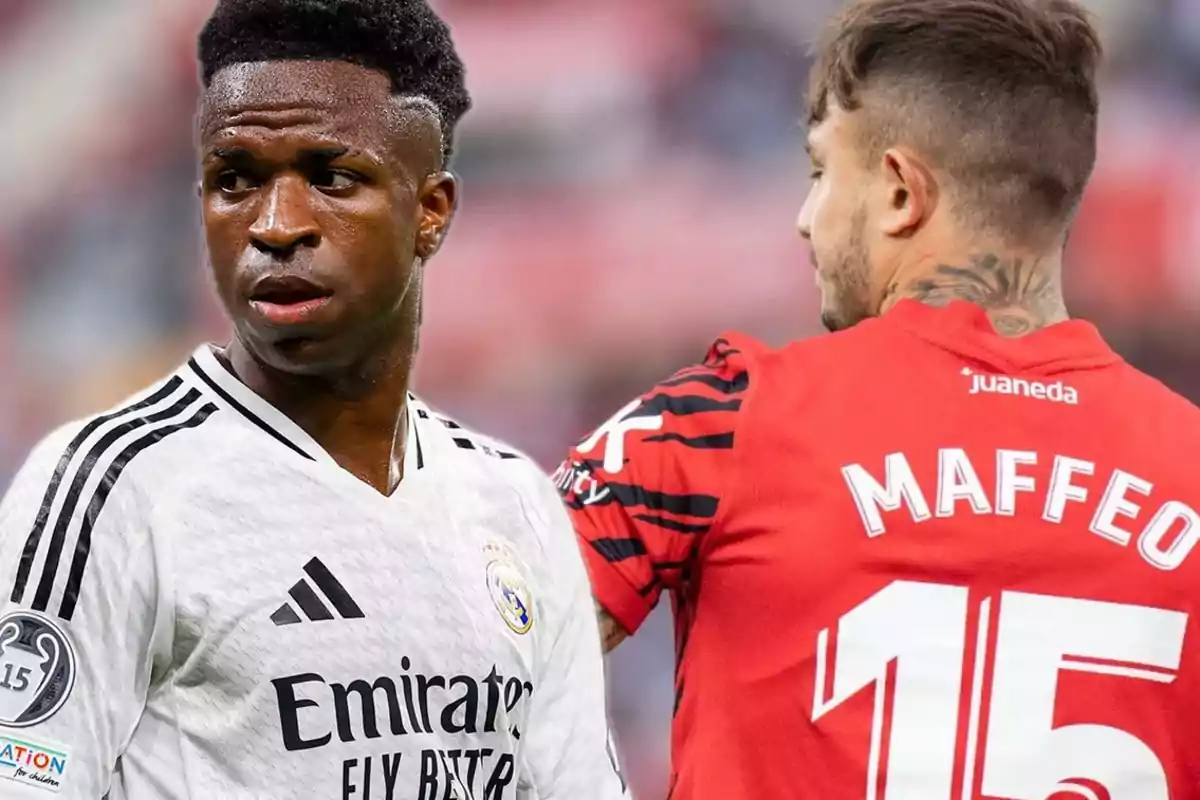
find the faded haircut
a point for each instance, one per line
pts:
(999, 95)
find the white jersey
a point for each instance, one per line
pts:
(201, 604)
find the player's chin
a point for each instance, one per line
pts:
(309, 350)
(831, 317)
(831, 322)
(834, 320)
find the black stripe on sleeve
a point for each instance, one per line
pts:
(29, 553)
(685, 505)
(245, 412)
(309, 603)
(650, 587)
(720, 351)
(466, 444)
(58, 537)
(420, 450)
(683, 405)
(672, 525)
(738, 383)
(333, 589)
(83, 546)
(615, 550)
(712, 441)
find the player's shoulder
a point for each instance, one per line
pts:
(747, 362)
(128, 440)
(441, 441)
(723, 377)
(499, 478)
(841, 349)
(1153, 399)
(738, 372)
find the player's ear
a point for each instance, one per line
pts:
(911, 192)
(438, 202)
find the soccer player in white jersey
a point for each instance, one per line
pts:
(277, 574)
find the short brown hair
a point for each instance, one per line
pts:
(999, 94)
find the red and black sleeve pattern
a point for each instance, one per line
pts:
(644, 488)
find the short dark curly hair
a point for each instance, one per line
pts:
(404, 38)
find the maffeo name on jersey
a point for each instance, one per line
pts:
(313, 712)
(1056, 392)
(1122, 507)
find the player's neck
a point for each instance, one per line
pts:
(362, 426)
(1021, 292)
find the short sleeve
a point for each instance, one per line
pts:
(645, 486)
(568, 747)
(77, 618)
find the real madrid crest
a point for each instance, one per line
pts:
(508, 589)
(37, 668)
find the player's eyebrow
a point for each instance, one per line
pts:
(235, 155)
(323, 153)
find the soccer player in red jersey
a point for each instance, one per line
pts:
(949, 550)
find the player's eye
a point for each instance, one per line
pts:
(334, 180)
(816, 175)
(231, 181)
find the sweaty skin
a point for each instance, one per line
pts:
(323, 195)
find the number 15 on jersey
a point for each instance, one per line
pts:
(922, 628)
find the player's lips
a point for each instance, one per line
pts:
(288, 300)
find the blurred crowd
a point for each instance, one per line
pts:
(632, 170)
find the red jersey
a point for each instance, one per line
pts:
(911, 561)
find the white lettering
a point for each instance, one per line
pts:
(872, 499)
(1165, 542)
(614, 431)
(1061, 488)
(575, 480)
(1115, 504)
(957, 480)
(1056, 392)
(1008, 482)
(595, 491)
(1151, 541)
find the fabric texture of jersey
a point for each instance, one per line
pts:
(913, 560)
(201, 604)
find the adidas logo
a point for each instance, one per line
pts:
(310, 603)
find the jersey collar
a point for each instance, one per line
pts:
(257, 411)
(223, 384)
(965, 328)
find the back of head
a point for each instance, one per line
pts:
(998, 95)
(403, 38)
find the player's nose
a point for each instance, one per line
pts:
(804, 220)
(285, 221)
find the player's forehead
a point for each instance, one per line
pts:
(331, 100)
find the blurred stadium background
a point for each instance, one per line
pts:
(632, 171)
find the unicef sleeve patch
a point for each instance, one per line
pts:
(37, 668)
